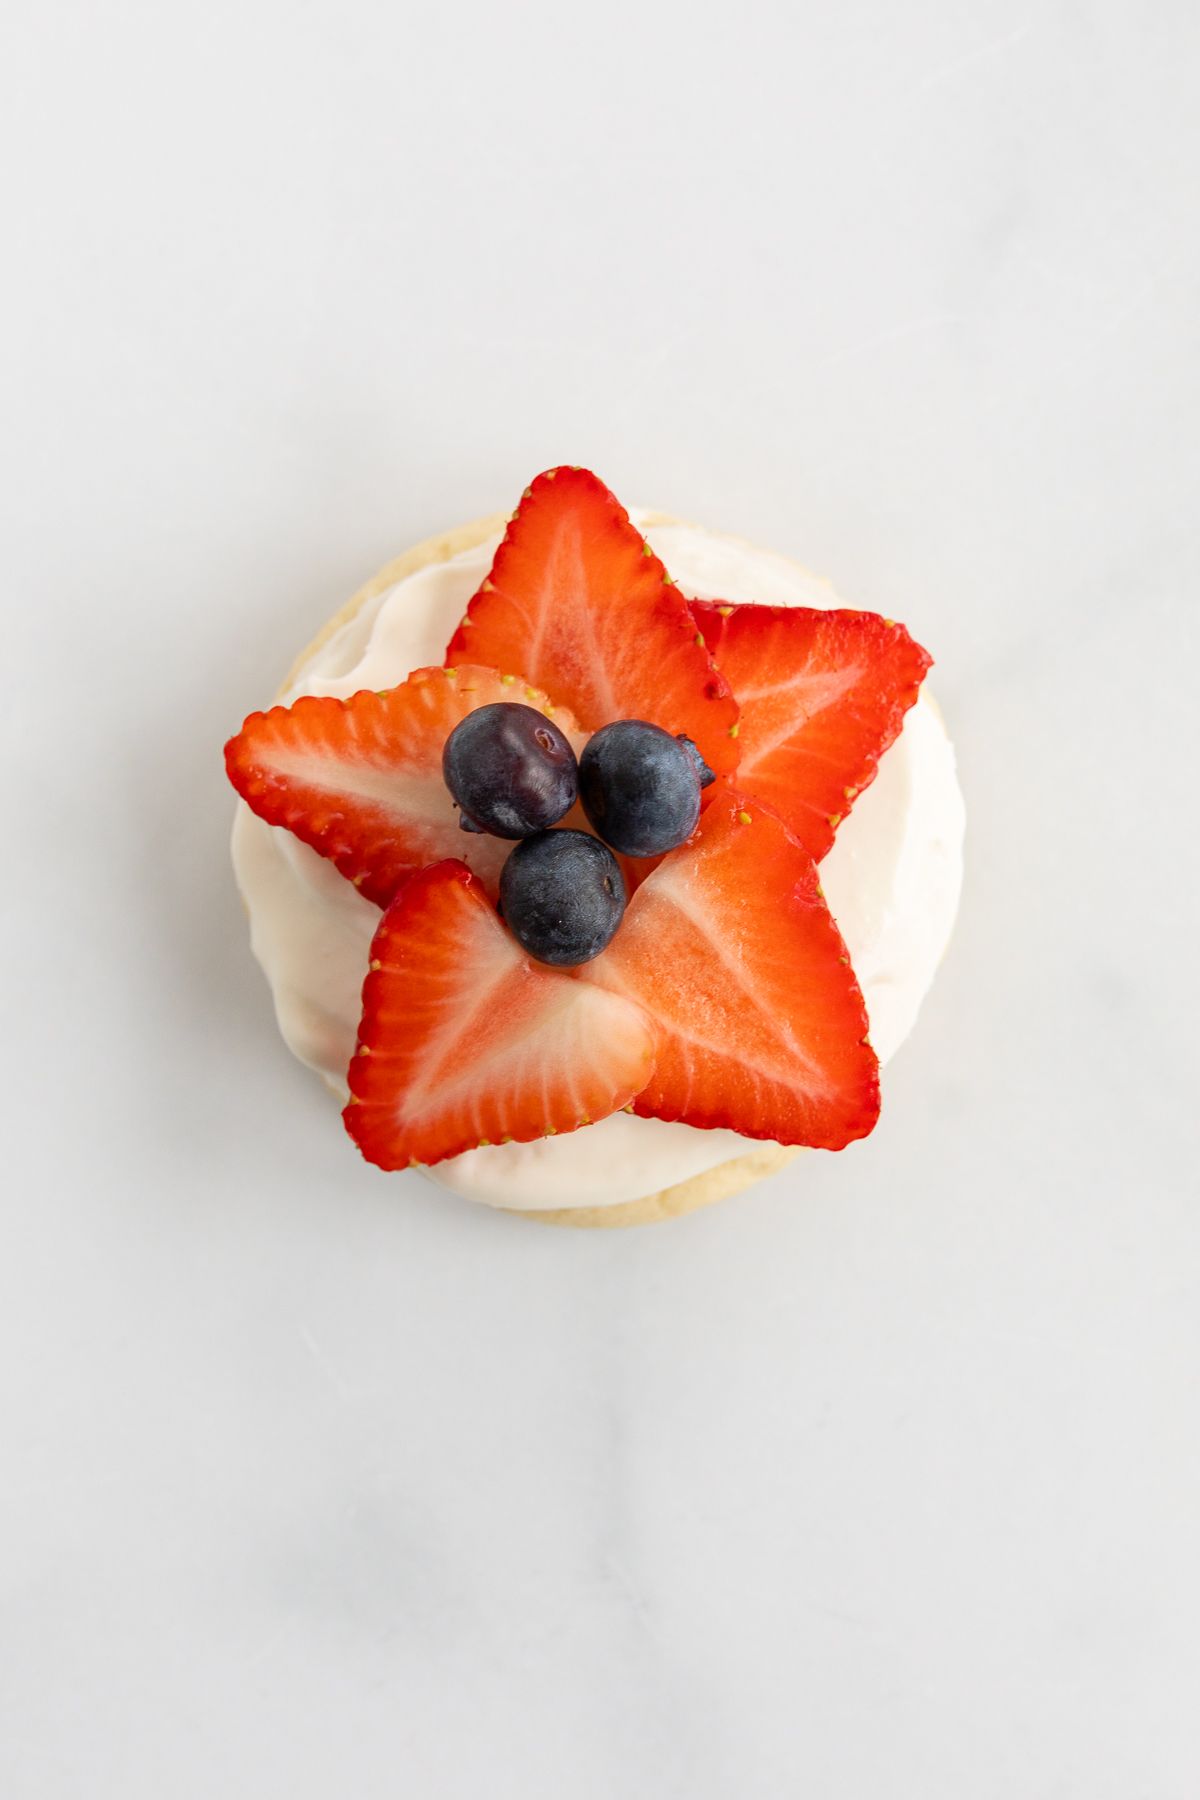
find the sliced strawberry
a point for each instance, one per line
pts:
(579, 604)
(822, 695)
(761, 1026)
(361, 779)
(465, 1041)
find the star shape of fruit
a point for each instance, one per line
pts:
(707, 984)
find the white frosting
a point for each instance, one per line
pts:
(892, 881)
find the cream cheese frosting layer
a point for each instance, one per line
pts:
(892, 880)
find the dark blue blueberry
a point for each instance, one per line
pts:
(562, 896)
(510, 769)
(640, 787)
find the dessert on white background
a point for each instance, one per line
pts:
(811, 690)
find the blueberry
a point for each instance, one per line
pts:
(510, 769)
(640, 787)
(562, 896)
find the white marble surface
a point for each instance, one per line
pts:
(884, 1481)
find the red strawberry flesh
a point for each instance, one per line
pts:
(761, 1025)
(578, 603)
(822, 696)
(465, 1041)
(360, 780)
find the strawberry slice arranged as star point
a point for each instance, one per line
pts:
(360, 780)
(579, 603)
(822, 695)
(464, 1041)
(761, 1025)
